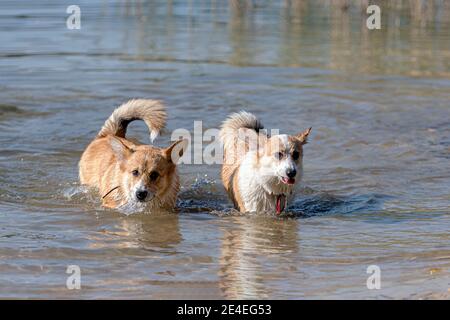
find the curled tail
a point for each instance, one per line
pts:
(241, 120)
(152, 112)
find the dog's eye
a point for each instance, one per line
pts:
(278, 155)
(135, 173)
(295, 155)
(154, 175)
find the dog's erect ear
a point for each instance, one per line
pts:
(303, 136)
(120, 149)
(176, 150)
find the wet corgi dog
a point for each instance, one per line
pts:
(260, 172)
(129, 175)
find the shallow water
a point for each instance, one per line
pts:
(376, 182)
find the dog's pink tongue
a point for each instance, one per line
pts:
(289, 180)
(280, 203)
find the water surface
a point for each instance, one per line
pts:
(376, 184)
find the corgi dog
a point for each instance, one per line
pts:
(260, 172)
(129, 175)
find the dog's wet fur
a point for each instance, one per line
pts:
(260, 172)
(129, 175)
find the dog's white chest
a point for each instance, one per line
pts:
(254, 196)
(253, 188)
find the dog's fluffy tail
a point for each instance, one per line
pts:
(152, 112)
(241, 120)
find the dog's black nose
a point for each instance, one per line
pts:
(291, 173)
(141, 195)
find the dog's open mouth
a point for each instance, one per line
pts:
(288, 180)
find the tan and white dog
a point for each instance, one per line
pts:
(260, 173)
(129, 175)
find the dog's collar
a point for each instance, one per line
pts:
(110, 192)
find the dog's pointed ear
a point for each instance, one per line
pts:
(176, 150)
(120, 150)
(303, 136)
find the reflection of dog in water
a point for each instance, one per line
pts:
(156, 231)
(260, 173)
(128, 174)
(246, 243)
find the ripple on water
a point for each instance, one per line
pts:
(205, 195)
(8, 111)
